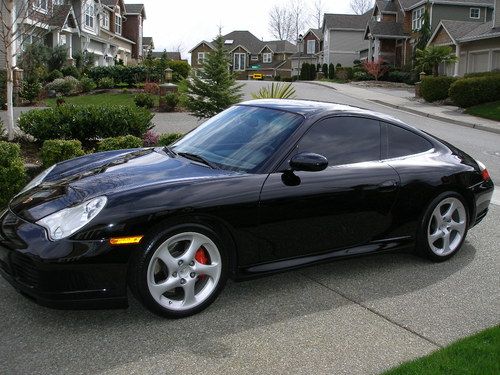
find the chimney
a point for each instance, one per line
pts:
(496, 14)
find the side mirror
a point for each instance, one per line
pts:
(308, 162)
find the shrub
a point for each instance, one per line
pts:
(435, 88)
(57, 150)
(144, 100)
(150, 139)
(12, 172)
(170, 102)
(53, 75)
(151, 88)
(324, 69)
(119, 143)
(30, 90)
(482, 74)
(467, 92)
(71, 71)
(64, 86)
(277, 91)
(169, 138)
(3, 132)
(57, 58)
(85, 122)
(361, 76)
(343, 74)
(331, 71)
(403, 77)
(376, 69)
(180, 70)
(87, 84)
(106, 83)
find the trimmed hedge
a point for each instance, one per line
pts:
(144, 100)
(119, 143)
(12, 172)
(467, 92)
(435, 88)
(57, 150)
(85, 122)
(167, 139)
(482, 74)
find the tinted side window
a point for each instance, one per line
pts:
(343, 140)
(403, 142)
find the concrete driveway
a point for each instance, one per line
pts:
(356, 316)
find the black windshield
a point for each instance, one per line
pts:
(241, 138)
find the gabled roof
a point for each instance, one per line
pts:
(317, 32)
(467, 31)
(147, 41)
(109, 3)
(410, 4)
(209, 45)
(386, 29)
(60, 14)
(242, 38)
(135, 9)
(280, 46)
(170, 55)
(346, 21)
(386, 6)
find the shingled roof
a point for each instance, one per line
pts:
(387, 6)
(242, 38)
(280, 46)
(409, 4)
(392, 29)
(134, 9)
(60, 14)
(346, 21)
(466, 31)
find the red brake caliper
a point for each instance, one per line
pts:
(202, 257)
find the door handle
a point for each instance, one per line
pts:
(387, 186)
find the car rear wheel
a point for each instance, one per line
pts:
(181, 272)
(444, 227)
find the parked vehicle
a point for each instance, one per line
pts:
(265, 186)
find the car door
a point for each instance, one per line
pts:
(347, 204)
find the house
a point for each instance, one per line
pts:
(343, 37)
(249, 55)
(135, 14)
(85, 26)
(310, 50)
(147, 45)
(175, 55)
(394, 25)
(477, 45)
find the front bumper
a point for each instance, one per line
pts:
(62, 274)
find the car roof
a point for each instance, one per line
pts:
(310, 108)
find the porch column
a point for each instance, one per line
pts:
(457, 63)
(55, 38)
(377, 49)
(370, 49)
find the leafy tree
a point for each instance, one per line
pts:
(214, 87)
(428, 59)
(375, 68)
(425, 31)
(33, 61)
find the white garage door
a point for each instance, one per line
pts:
(496, 60)
(479, 62)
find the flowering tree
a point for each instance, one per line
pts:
(375, 68)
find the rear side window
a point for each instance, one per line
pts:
(402, 142)
(343, 140)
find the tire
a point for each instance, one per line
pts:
(180, 271)
(443, 227)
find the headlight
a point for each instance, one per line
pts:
(64, 223)
(37, 180)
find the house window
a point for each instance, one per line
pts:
(62, 39)
(311, 47)
(201, 57)
(105, 20)
(267, 57)
(41, 5)
(254, 58)
(118, 24)
(417, 18)
(89, 14)
(239, 61)
(475, 13)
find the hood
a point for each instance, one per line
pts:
(107, 173)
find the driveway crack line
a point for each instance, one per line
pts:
(373, 311)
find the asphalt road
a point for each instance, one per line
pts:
(353, 316)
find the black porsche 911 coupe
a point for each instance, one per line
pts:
(265, 186)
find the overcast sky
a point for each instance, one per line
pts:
(187, 22)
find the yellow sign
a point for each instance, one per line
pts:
(257, 76)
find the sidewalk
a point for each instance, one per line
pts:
(394, 99)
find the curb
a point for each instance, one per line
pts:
(440, 118)
(318, 84)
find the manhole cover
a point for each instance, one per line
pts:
(493, 153)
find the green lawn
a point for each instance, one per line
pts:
(106, 98)
(486, 110)
(474, 355)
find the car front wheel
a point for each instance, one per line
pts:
(181, 272)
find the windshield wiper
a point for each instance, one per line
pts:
(197, 158)
(169, 151)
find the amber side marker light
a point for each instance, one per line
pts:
(125, 240)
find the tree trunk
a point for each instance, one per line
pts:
(9, 55)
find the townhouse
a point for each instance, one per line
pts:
(310, 50)
(106, 28)
(250, 56)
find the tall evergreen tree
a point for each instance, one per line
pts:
(425, 31)
(214, 87)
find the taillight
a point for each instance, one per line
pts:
(484, 172)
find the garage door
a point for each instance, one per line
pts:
(496, 60)
(479, 62)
